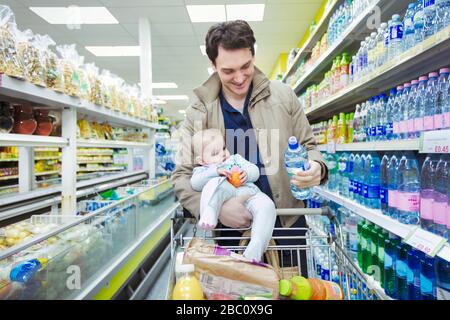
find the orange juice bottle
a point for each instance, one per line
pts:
(187, 287)
(300, 288)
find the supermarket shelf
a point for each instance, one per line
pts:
(431, 53)
(9, 160)
(26, 140)
(46, 149)
(377, 217)
(47, 173)
(391, 145)
(4, 178)
(321, 28)
(110, 144)
(20, 90)
(121, 177)
(99, 169)
(21, 197)
(94, 161)
(95, 154)
(47, 158)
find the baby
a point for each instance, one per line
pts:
(211, 178)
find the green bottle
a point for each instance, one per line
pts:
(360, 242)
(367, 244)
(383, 235)
(374, 253)
(350, 127)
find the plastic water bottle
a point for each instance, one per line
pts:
(343, 171)
(429, 9)
(380, 55)
(401, 270)
(390, 260)
(374, 201)
(351, 175)
(384, 184)
(357, 124)
(427, 278)
(371, 54)
(397, 116)
(442, 278)
(392, 187)
(395, 37)
(390, 114)
(408, 180)
(442, 14)
(403, 112)
(381, 117)
(373, 119)
(440, 198)
(442, 98)
(430, 101)
(357, 178)
(419, 23)
(408, 22)
(387, 41)
(333, 169)
(410, 109)
(413, 275)
(427, 180)
(296, 160)
(362, 55)
(419, 108)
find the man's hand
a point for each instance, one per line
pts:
(234, 214)
(309, 178)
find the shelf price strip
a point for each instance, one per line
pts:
(425, 241)
(435, 141)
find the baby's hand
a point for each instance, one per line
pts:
(223, 172)
(243, 176)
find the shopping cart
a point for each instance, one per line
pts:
(327, 257)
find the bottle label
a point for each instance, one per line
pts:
(426, 285)
(350, 186)
(447, 120)
(373, 132)
(381, 131)
(396, 128)
(410, 125)
(439, 212)
(384, 195)
(342, 167)
(387, 260)
(418, 124)
(403, 127)
(368, 132)
(360, 189)
(390, 128)
(426, 208)
(428, 123)
(408, 201)
(438, 121)
(448, 216)
(428, 3)
(392, 198)
(396, 32)
(381, 253)
(365, 189)
(409, 25)
(373, 192)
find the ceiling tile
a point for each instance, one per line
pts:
(174, 42)
(283, 12)
(154, 14)
(142, 3)
(61, 3)
(162, 29)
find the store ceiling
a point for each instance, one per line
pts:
(175, 40)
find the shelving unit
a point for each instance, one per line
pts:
(4, 178)
(391, 145)
(47, 173)
(377, 217)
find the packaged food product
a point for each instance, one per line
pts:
(85, 129)
(95, 95)
(44, 122)
(106, 79)
(10, 62)
(300, 288)
(85, 86)
(71, 63)
(36, 68)
(187, 287)
(54, 73)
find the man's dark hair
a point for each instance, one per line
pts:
(230, 35)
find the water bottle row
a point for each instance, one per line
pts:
(404, 272)
(396, 185)
(420, 105)
(421, 20)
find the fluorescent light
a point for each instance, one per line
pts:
(210, 71)
(207, 13)
(173, 97)
(203, 49)
(155, 102)
(114, 51)
(164, 85)
(247, 12)
(75, 15)
(182, 111)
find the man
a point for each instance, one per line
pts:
(257, 117)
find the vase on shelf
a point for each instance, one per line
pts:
(44, 122)
(24, 122)
(6, 118)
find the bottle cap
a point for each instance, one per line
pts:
(186, 268)
(384, 25)
(373, 34)
(415, 82)
(285, 287)
(433, 75)
(396, 17)
(411, 6)
(407, 85)
(399, 88)
(423, 78)
(293, 143)
(393, 91)
(444, 70)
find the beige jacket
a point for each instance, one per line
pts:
(275, 114)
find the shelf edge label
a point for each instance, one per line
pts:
(435, 141)
(424, 241)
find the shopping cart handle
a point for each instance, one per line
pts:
(324, 211)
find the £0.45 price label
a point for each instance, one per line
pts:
(425, 241)
(331, 147)
(435, 141)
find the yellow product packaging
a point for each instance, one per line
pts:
(85, 129)
(95, 93)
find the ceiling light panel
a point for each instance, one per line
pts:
(75, 15)
(247, 12)
(114, 51)
(173, 97)
(164, 85)
(207, 13)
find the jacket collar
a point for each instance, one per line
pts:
(209, 91)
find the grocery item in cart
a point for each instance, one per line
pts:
(187, 287)
(221, 268)
(300, 288)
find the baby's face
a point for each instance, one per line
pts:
(215, 152)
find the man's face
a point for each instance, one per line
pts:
(235, 68)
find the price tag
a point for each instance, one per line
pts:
(331, 147)
(424, 241)
(435, 141)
